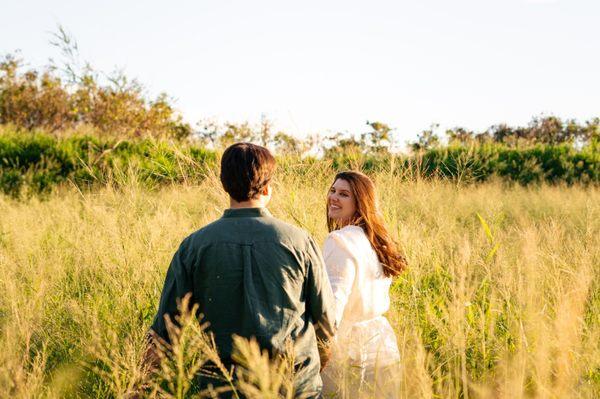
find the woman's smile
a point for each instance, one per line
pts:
(334, 207)
(341, 204)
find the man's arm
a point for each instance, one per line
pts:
(178, 283)
(320, 301)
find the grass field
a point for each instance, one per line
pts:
(502, 298)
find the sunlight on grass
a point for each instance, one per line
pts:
(501, 300)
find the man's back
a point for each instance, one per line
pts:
(254, 276)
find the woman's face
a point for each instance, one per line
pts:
(341, 204)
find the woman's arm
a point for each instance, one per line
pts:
(341, 269)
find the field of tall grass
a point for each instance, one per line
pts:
(501, 300)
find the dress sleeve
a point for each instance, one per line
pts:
(341, 269)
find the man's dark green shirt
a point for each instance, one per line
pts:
(255, 276)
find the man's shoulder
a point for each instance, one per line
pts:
(287, 229)
(207, 231)
(270, 227)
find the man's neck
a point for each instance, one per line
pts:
(245, 204)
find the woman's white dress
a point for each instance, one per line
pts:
(365, 345)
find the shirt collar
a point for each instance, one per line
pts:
(246, 213)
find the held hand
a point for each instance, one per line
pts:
(324, 352)
(150, 362)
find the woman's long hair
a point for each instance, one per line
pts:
(370, 220)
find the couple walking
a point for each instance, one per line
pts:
(253, 275)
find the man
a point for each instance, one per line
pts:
(253, 275)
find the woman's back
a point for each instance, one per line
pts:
(361, 292)
(369, 292)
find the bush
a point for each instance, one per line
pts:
(480, 162)
(38, 161)
(33, 99)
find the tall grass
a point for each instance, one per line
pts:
(502, 298)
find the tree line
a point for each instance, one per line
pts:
(68, 122)
(70, 94)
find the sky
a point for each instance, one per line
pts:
(330, 66)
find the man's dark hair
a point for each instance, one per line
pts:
(245, 170)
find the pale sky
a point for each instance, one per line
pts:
(327, 66)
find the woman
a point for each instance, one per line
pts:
(361, 259)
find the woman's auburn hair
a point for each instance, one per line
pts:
(370, 220)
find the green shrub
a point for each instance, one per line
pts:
(38, 161)
(480, 162)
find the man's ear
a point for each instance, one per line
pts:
(267, 190)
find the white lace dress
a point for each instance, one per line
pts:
(365, 344)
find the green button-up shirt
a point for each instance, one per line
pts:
(255, 276)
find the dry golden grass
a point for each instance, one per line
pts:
(502, 299)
